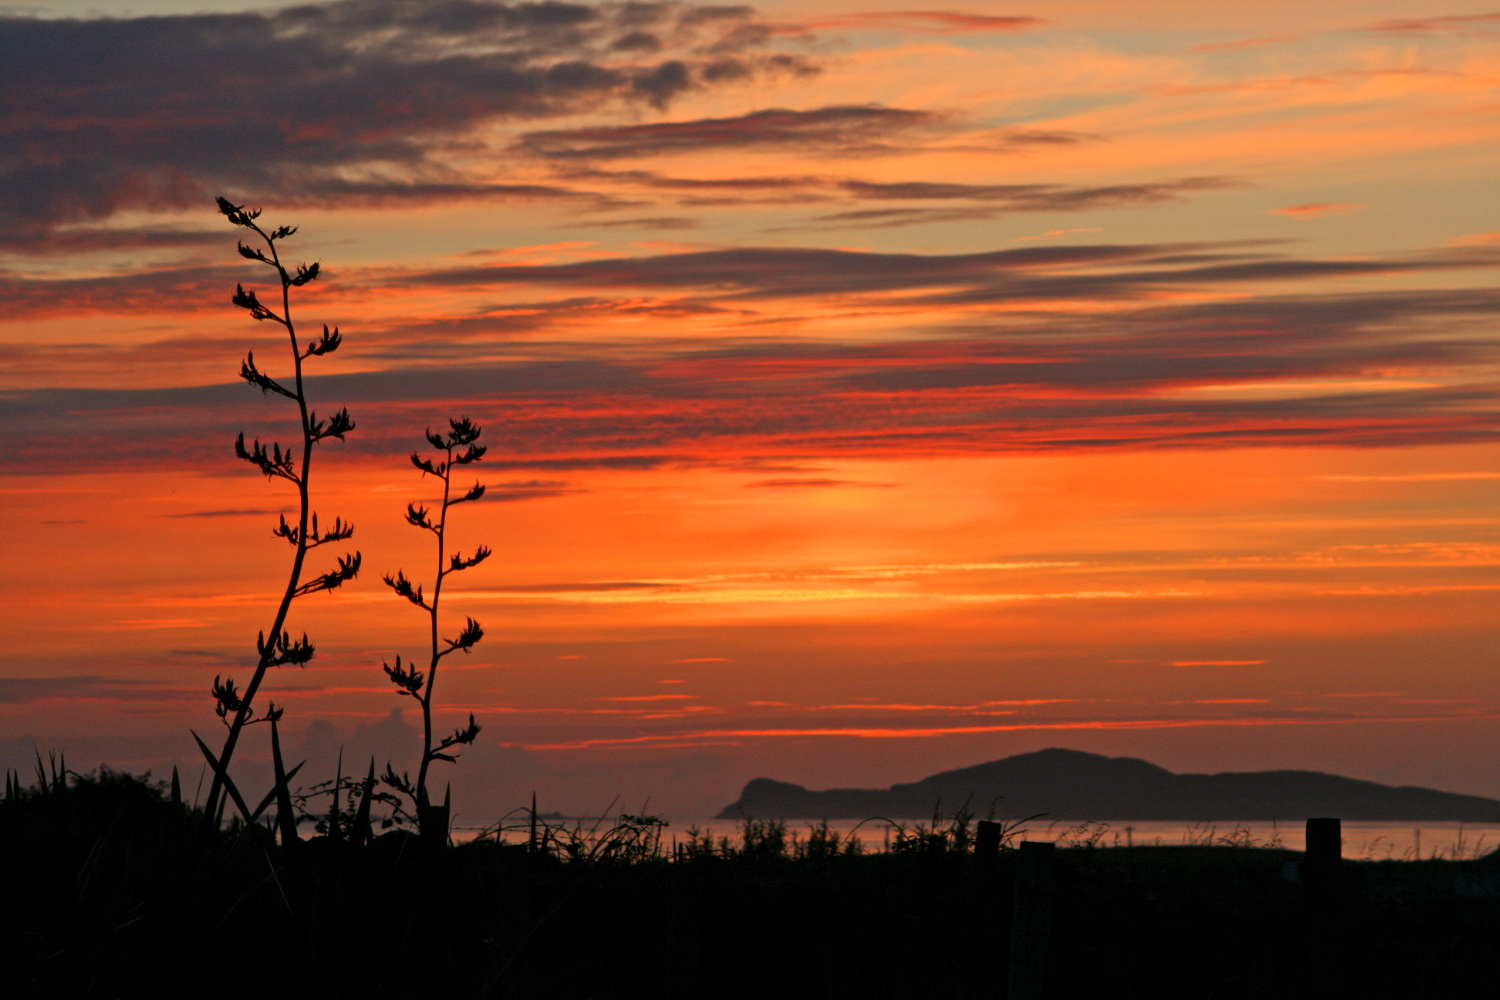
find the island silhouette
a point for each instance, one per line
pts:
(1073, 785)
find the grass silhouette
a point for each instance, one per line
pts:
(111, 890)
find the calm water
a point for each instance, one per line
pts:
(1361, 840)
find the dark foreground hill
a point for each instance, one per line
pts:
(1071, 785)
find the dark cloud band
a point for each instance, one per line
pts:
(1143, 375)
(342, 102)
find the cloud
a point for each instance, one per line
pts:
(730, 282)
(376, 193)
(1027, 349)
(1475, 240)
(927, 21)
(1415, 477)
(1037, 197)
(165, 289)
(662, 222)
(712, 190)
(357, 101)
(1459, 24)
(1217, 663)
(25, 690)
(978, 396)
(529, 489)
(907, 732)
(93, 239)
(846, 130)
(1249, 43)
(1052, 273)
(1318, 209)
(601, 586)
(783, 484)
(991, 200)
(946, 201)
(651, 697)
(759, 271)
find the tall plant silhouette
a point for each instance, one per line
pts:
(458, 448)
(235, 709)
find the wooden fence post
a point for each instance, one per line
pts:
(987, 839)
(1031, 922)
(1322, 865)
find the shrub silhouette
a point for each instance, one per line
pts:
(458, 448)
(235, 709)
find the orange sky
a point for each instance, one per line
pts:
(868, 391)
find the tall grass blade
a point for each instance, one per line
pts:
(176, 789)
(272, 796)
(362, 830)
(334, 833)
(224, 779)
(286, 819)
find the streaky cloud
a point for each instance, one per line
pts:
(846, 129)
(25, 690)
(927, 21)
(1047, 383)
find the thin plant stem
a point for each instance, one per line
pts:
(276, 647)
(457, 447)
(437, 594)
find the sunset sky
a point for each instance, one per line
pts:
(868, 391)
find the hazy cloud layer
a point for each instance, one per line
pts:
(1011, 372)
(903, 202)
(1001, 276)
(23, 690)
(1458, 24)
(720, 278)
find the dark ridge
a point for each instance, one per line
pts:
(1072, 785)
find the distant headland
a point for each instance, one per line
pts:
(1072, 785)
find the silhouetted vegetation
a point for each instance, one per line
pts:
(459, 447)
(235, 709)
(111, 893)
